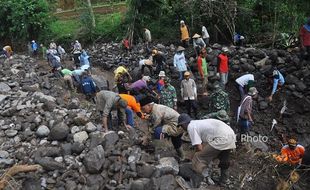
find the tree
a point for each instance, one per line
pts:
(91, 13)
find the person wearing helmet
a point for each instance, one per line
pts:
(168, 95)
(304, 35)
(184, 34)
(223, 66)
(278, 81)
(189, 94)
(291, 154)
(212, 139)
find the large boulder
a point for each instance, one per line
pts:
(59, 132)
(168, 165)
(94, 160)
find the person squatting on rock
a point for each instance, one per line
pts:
(159, 60)
(291, 154)
(88, 86)
(245, 111)
(304, 35)
(67, 76)
(163, 122)
(212, 139)
(244, 83)
(223, 66)
(106, 101)
(198, 44)
(132, 106)
(189, 94)
(184, 34)
(77, 48)
(278, 81)
(168, 95)
(203, 70)
(179, 62)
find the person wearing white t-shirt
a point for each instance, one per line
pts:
(212, 139)
(244, 83)
(205, 35)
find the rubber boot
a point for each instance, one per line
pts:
(181, 153)
(224, 177)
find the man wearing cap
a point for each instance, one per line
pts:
(198, 43)
(245, 114)
(212, 139)
(189, 93)
(159, 60)
(291, 154)
(278, 81)
(203, 69)
(163, 122)
(132, 106)
(223, 66)
(244, 83)
(105, 102)
(168, 95)
(305, 39)
(219, 100)
(184, 34)
(179, 62)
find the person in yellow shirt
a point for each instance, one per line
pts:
(184, 34)
(7, 51)
(291, 154)
(122, 76)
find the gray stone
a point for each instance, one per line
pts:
(49, 164)
(49, 151)
(110, 138)
(94, 160)
(165, 182)
(95, 182)
(70, 185)
(168, 165)
(43, 97)
(74, 104)
(81, 119)
(77, 148)
(90, 127)
(263, 105)
(75, 129)
(300, 86)
(43, 131)
(66, 149)
(80, 137)
(140, 184)
(145, 170)
(4, 87)
(31, 184)
(3, 97)
(59, 132)
(259, 145)
(4, 154)
(261, 63)
(11, 132)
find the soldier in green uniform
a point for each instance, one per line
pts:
(219, 100)
(168, 95)
(220, 115)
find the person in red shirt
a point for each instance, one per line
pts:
(305, 39)
(291, 154)
(223, 66)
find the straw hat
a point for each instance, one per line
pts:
(187, 73)
(180, 48)
(154, 52)
(196, 36)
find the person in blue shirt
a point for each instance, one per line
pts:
(88, 86)
(84, 58)
(34, 48)
(278, 80)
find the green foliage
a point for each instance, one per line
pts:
(23, 20)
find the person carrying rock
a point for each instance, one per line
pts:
(244, 83)
(163, 121)
(77, 48)
(205, 35)
(67, 76)
(245, 113)
(88, 86)
(223, 66)
(132, 106)
(278, 81)
(121, 76)
(168, 95)
(106, 101)
(198, 44)
(304, 35)
(184, 34)
(291, 154)
(219, 100)
(203, 70)
(212, 139)
(159, 60)
(179, 62)
(189, 93)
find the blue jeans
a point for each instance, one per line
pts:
(245, 126)
(181, 74)
(129, 116)
(241, 90)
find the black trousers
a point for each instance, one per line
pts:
(191, 104)
(176, 141)
(149, 67)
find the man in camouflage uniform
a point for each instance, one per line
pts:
(220, 115)
(219, 100)
(168, 95)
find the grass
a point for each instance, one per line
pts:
(65, 28)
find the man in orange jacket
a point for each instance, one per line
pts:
(291, 154)
(132, 106)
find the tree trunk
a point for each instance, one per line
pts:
(91, 13)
